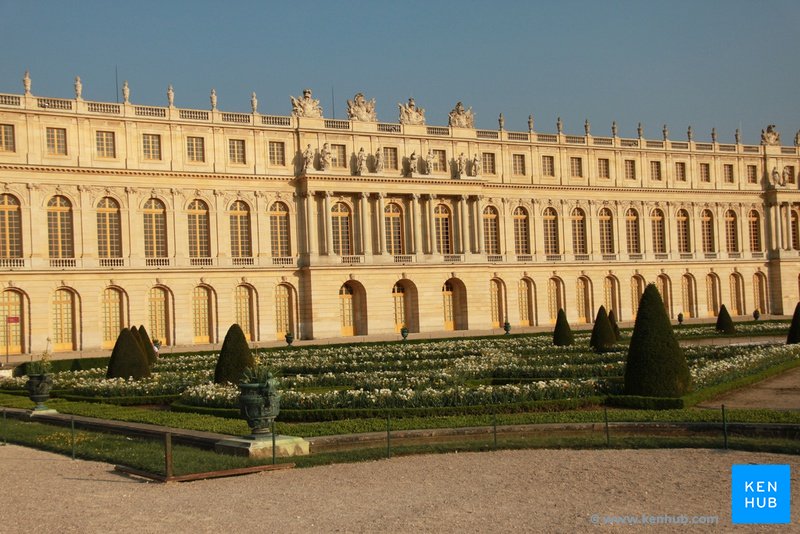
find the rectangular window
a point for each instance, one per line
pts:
(195, 149)
(788, 173)
(339, 156)
(236, 151)
(151, 146)
(680, 171)
(576, 167)
(105, 144)
(390, 158)
(727, 173)
(518, 164)
(752, 174)
(7, 138)
(548, 166)
(277, 153)
(56, 142)
(603, 168)
(655, 171)
(439, 163)
(488, 163)
(630, 169)
(705, 172)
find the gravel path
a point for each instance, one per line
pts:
(503, 491)
(780, 392)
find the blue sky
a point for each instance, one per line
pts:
(706, 63)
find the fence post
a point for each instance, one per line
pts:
(168, 454)
(72, 427)
(388, 436)
(724, 428)
(608, 436)
(272, 431)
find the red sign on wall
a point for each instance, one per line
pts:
(13, 319)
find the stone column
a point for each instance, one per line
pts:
(416, 224)
(462, 215)
(366, 234)
(261, 229)
(430, 225)
(621, 237)
(788, 235)
(479, 224)
(312, 229)
(381, 224)
(328, 229)
(85, 248)
(506, 221)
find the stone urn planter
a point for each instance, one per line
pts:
(404, 333)
(507, 327)
(259, 400)
(289, 337)
(39, 386)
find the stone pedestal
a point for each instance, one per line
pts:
(261, 447)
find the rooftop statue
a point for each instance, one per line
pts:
(771, 136)
(26, 82)
(361, 109)
(462, 118)
(306, 106)
(126, 92)
(78, 88)
(411, 114)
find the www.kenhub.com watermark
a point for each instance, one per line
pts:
(650, 519)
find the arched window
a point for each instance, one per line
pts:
(555, 297)
(497, 303)
(109, 230)
(684, 235)
(341, 227)
(731, 232)
(583, 292)
(550, 230)
(284, 311)
(245, 316)
(760, 292)
(444, 241)
(795, 230)
(11, 335)
(201, 314)
(10, 227)
(279, 230)
(522, 243)
(199, 230)
(525, 297)
(665, 289)
(159, 315)
(113, 316)
(637, 290)
(393, 226)
(579, 231)
(737, 294)
(707, 222)
(399, 301)
(491, 231)
(59, 228)
(689, 292)
(754, 222)
(346, 314)
(606, 221)
(63, 314)
(241, 244)
(632, 231)
(155, 230)
(659, 238)
(611, 296)
(713, 300)
(447, 304)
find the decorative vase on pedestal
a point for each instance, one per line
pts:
(38, 387)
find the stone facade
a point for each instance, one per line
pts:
(189, 220)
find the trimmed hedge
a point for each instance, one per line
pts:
(639, 402)
(128, 359)
(562, 333)
(794, 329)
(118, 401)
(724, 321)
(73, 364)
(603, 337)
(234, 357)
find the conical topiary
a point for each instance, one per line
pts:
(724, 321)
(127, 358)
(562, 334)
(147, 343)
(234, 357)
(656, 366)
(794, 329)
(138, 338)
(603, 338)
(612, 318)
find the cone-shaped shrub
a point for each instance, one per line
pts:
(147, 343)
(138, 338)
(794, 329)
(656, 366)
(603, 338)
(724, 321)
(127, 358)
(562, 335)
(612, 318)
(234, 357)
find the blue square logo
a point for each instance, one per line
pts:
(760, 494)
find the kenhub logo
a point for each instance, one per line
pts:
(760, 494)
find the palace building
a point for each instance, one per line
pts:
(186, 221)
